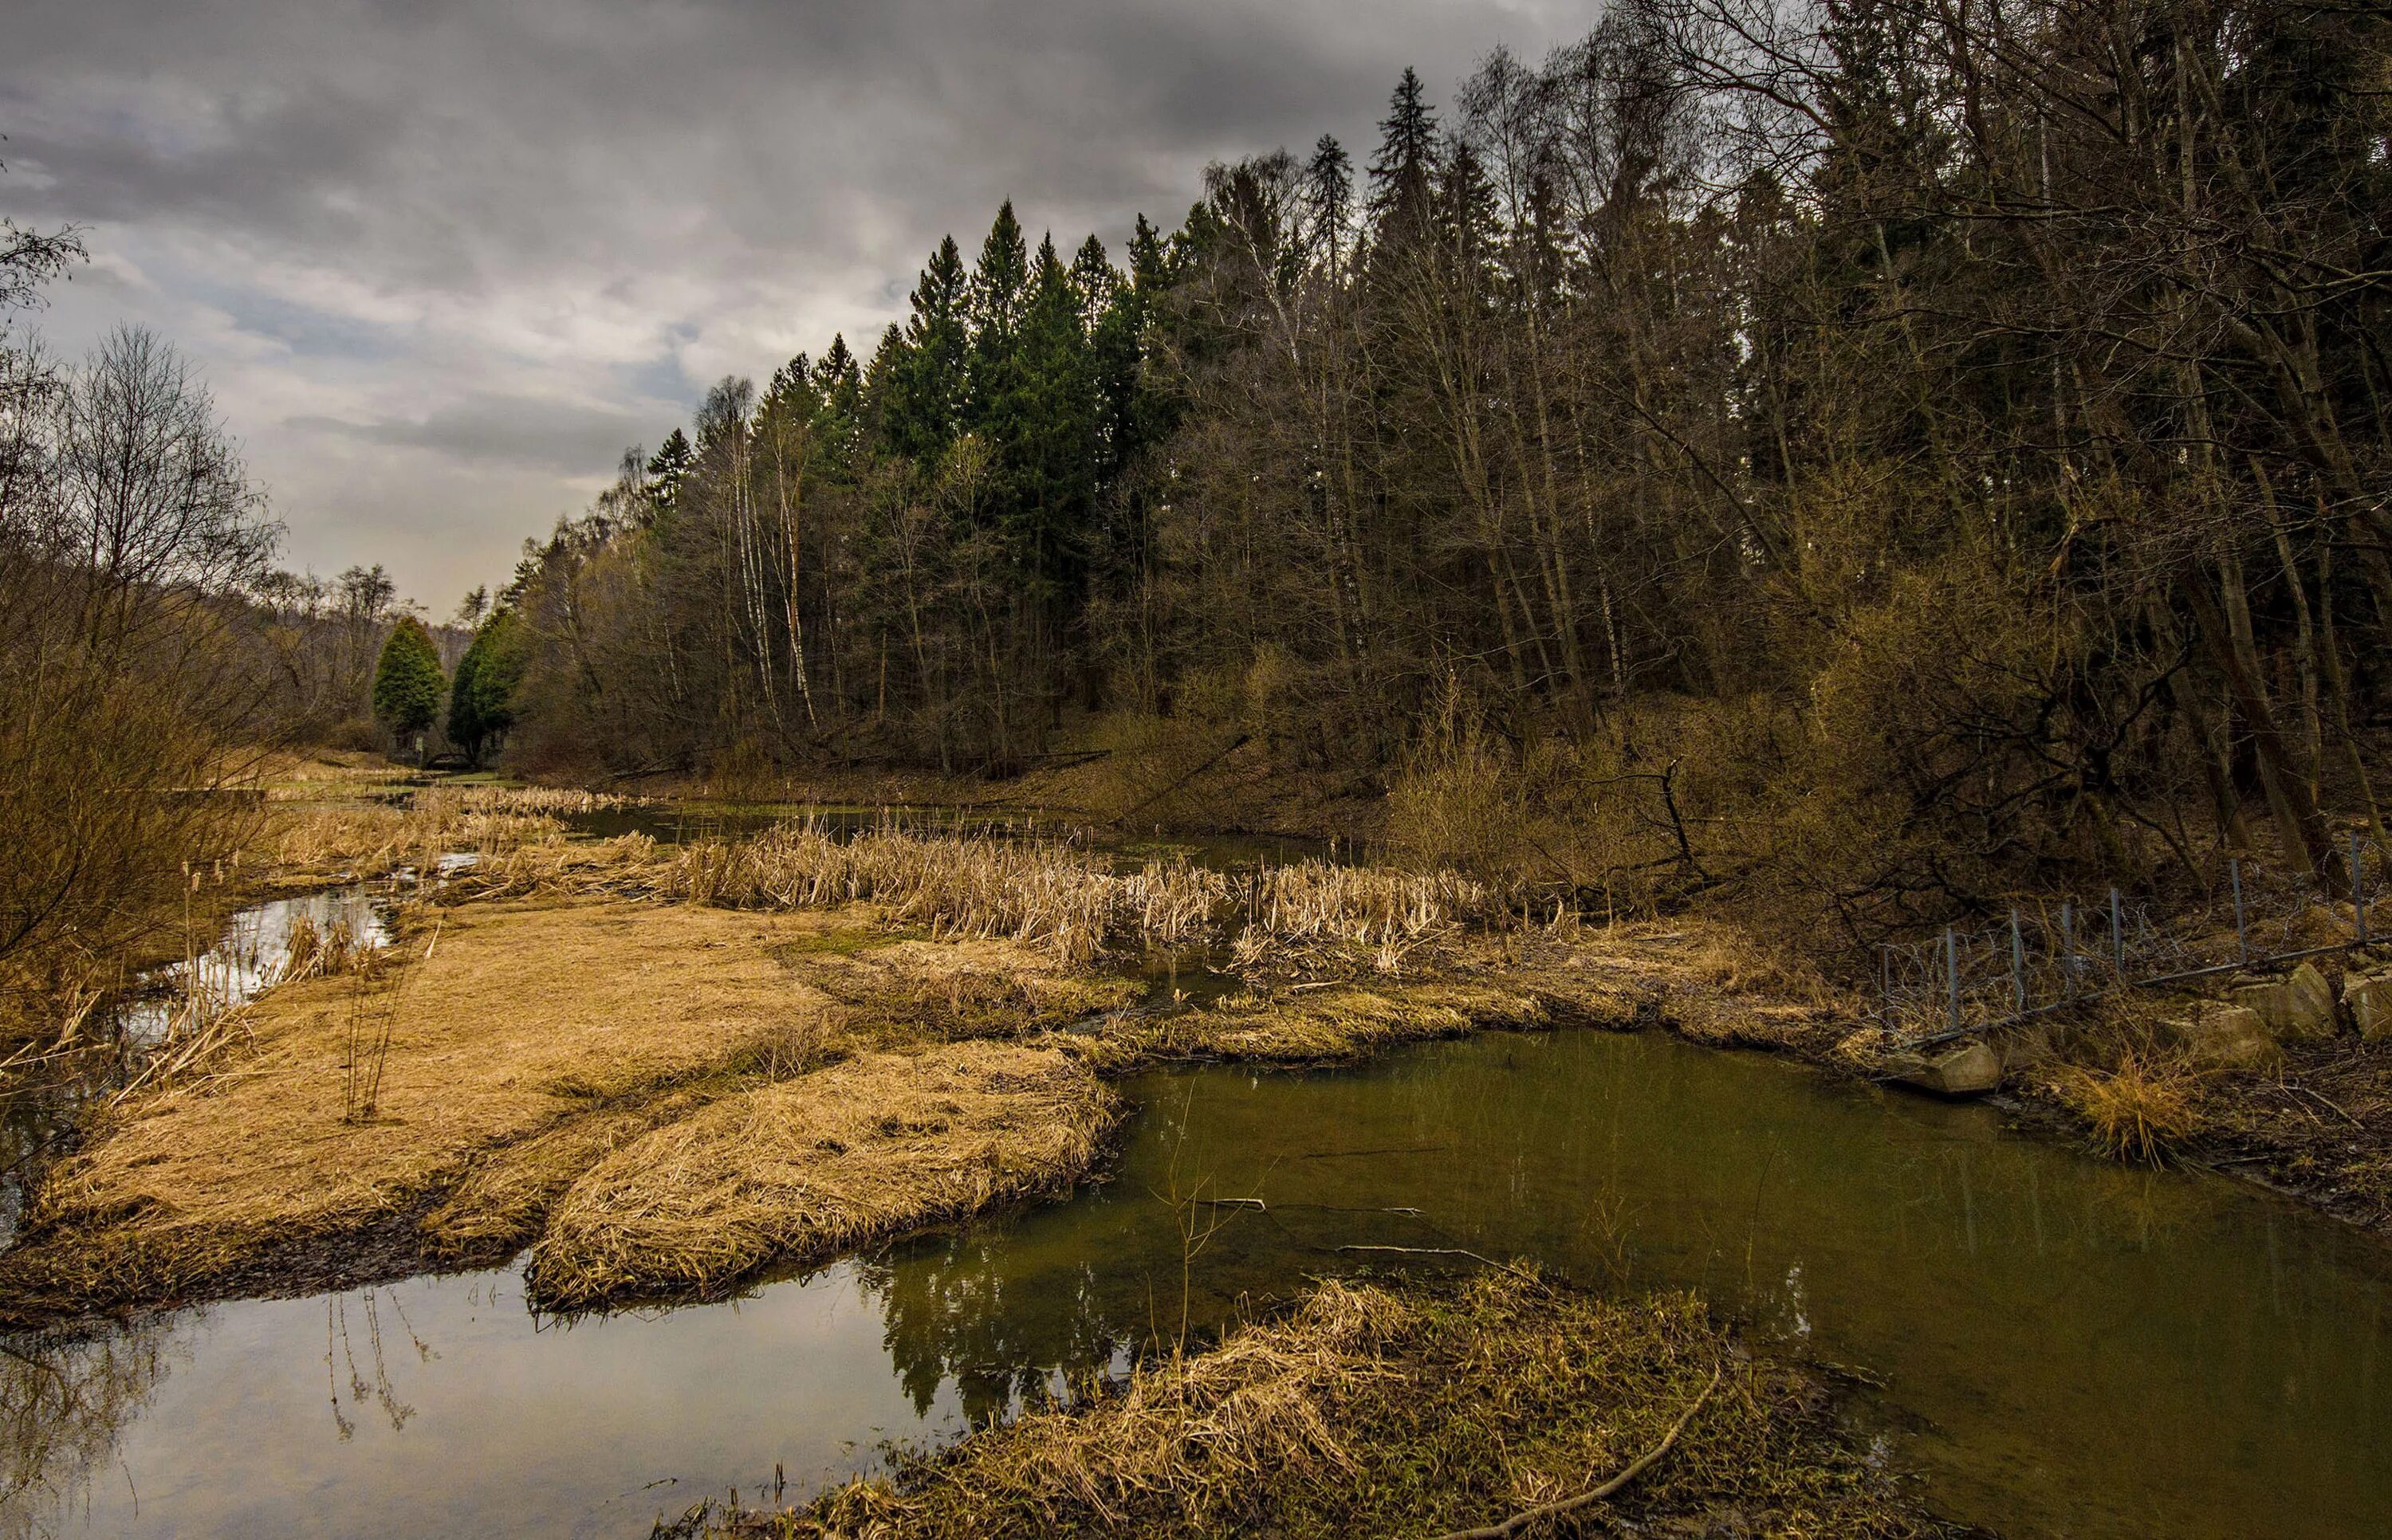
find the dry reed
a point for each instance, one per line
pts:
(1382, 913)
(310, 951)
(307, 842)
(1064, 900)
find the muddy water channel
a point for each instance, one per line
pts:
(2065, 1348)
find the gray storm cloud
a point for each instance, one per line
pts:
(440, 261)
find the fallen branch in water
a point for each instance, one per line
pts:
(1520, 1522)
(1520, 1273)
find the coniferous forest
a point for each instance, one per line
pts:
(1890, 453)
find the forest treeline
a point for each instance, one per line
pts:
(1897, 454)
(1869, 458)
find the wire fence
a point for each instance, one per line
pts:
(2051, 955)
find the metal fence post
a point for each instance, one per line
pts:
(2117, 938)
(1952, 974)
(2017, 968)
(2067, 947)
(2242, 926)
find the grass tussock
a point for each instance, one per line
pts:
(2142, 1109)
(868, 1148)
(1370, 1411)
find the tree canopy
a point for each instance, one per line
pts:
(408, 680)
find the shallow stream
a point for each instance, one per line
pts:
(2066, 1346)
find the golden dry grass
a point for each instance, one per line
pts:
(1371, 1411)
(2141, 1108)
(1337, 1022)
(864, 1150)
(536, 1039)
(571, 1043)
(524, 1019)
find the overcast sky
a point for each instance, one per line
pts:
(441, 262)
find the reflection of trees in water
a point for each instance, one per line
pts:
(368, 1377)
(968, 1307)
(63, 1405)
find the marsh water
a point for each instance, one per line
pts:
(2064, 1347)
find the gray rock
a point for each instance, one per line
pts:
(2227, 1037)
(2300, 1006)
(2370, 999)
(1966, 1069)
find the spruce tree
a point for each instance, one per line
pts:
(1329, 201)
(407, 681)
(1466, 220)
(883, 395)
(668, 468)
(838, 413)
(1401, 172)
(1000, 284)
(481, 697)
(921, 405)
(1051, 429)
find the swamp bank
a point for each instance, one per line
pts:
(2057, 1344)
(1063, 1110)
(1503, 1406)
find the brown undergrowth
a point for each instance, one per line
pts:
(1418, 1410)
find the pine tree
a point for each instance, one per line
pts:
(407, 681)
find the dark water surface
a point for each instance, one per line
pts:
(2068, 1348)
